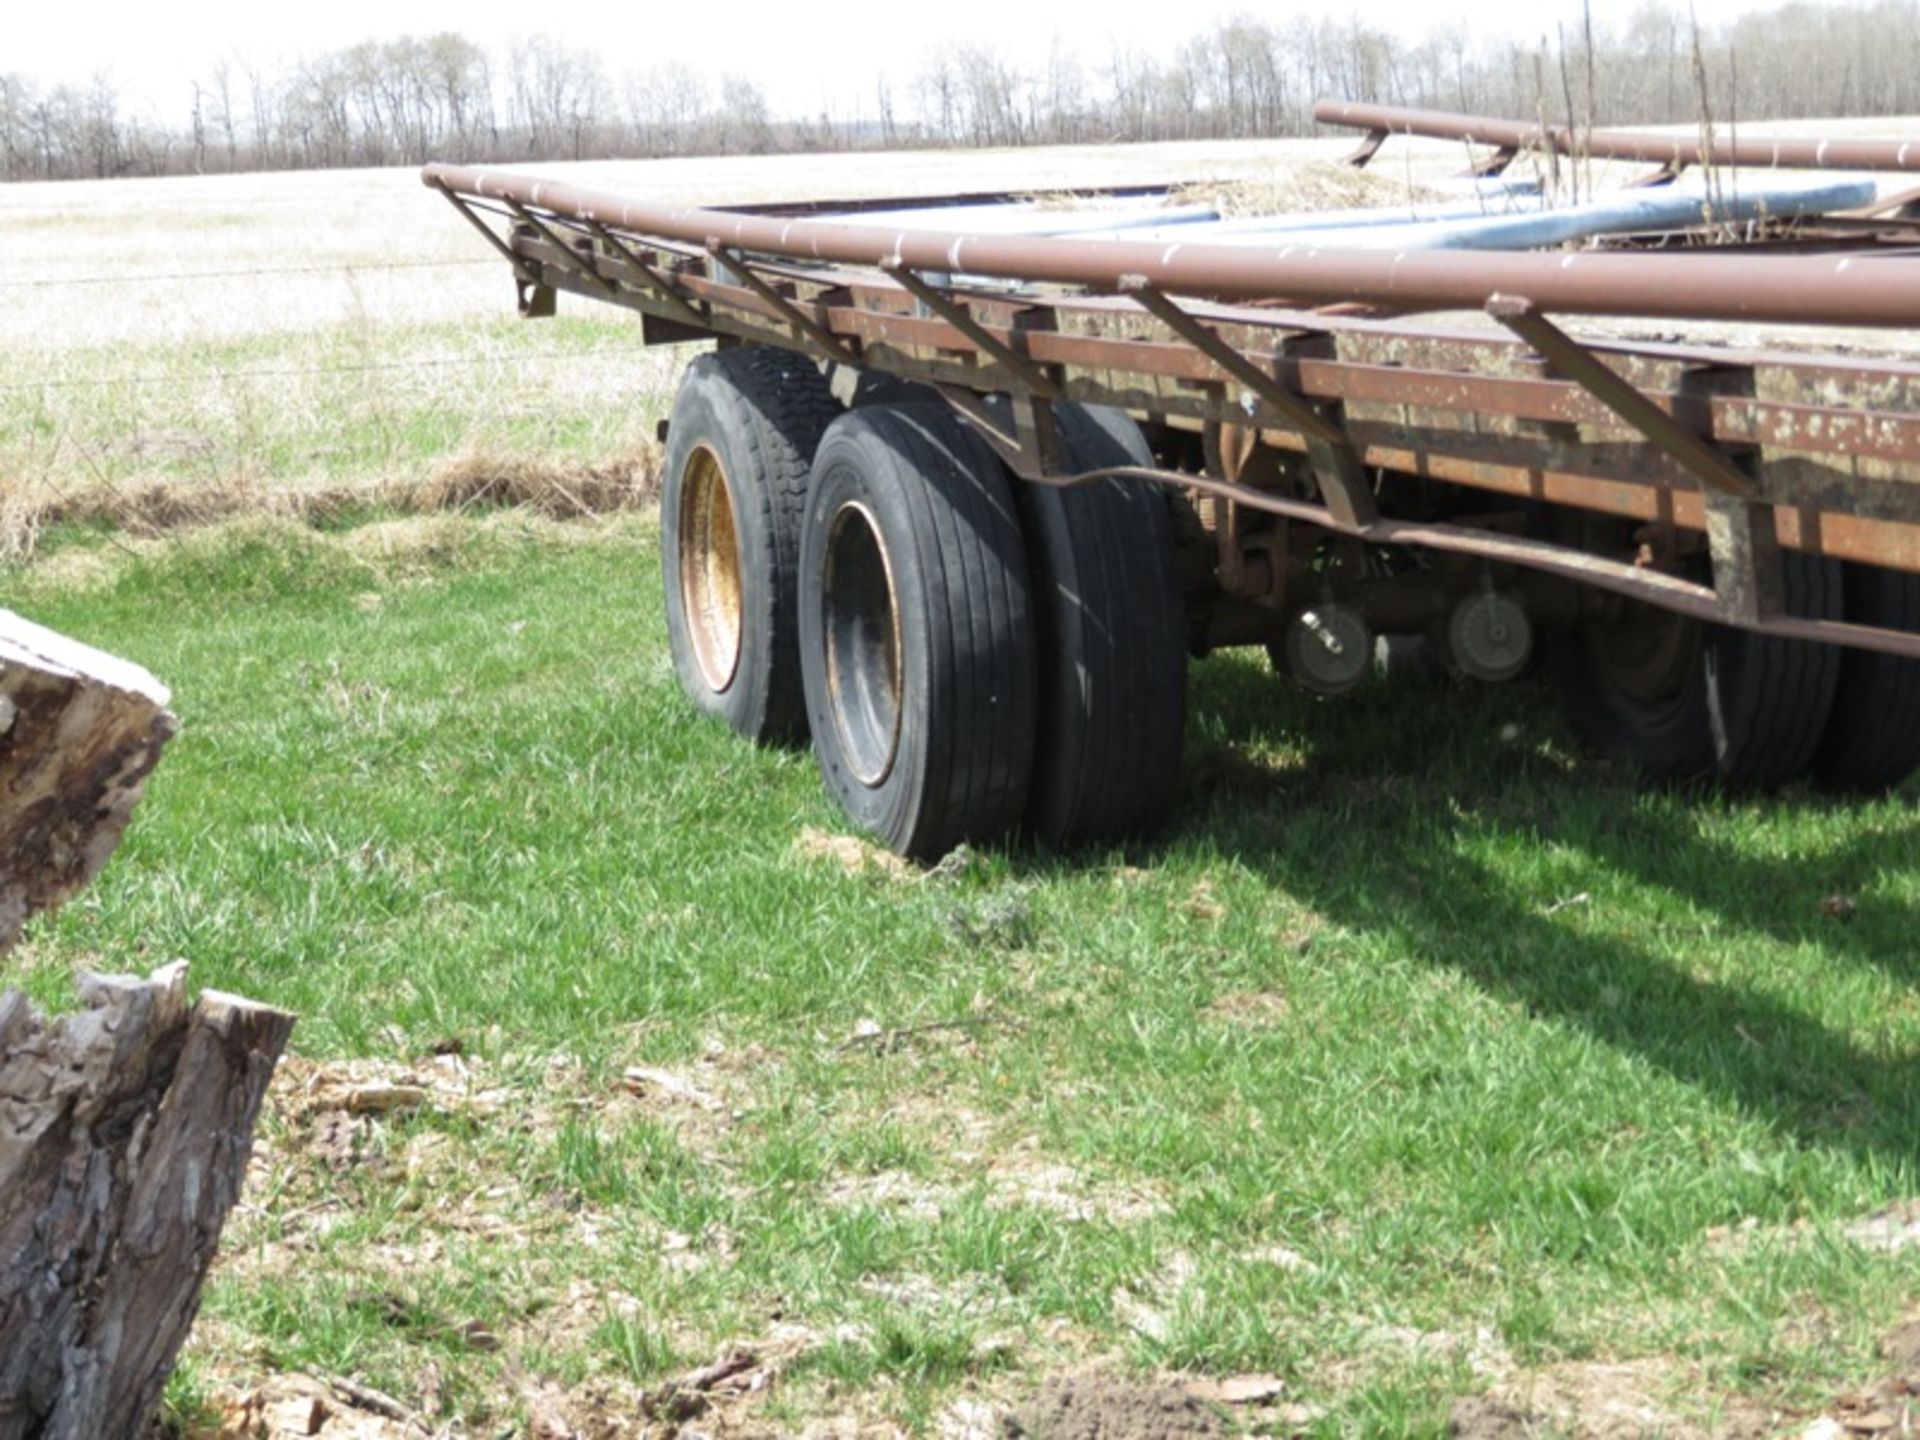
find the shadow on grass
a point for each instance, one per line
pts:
(1431, 815)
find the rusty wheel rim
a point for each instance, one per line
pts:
(710, 569)
(1645, 659)
(862, 628)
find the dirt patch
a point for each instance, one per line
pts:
(1887, 1231)
(1890, 1406)
(851, 854)
(1600, 1400)
(1092, 1407)
(1249, 1009)
(333, 1409)
(449, 1083)
(1020, 1175)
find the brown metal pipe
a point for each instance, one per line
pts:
(1786, 154)
(1781, 289)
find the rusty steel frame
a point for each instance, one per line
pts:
(1672, 153)
(1787, 290)
(1752, 449)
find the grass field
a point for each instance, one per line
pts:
(1426, 1070)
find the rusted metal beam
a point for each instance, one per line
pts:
(1714, 469)
(1794, 154)
(1495, 165)
(801, 322)
(1825, 510)
(565, 250)
(1791, 289)
(1337, 466)
(1742, 536)
(669, 294)
(1297, 411)
(1367, 149)
(522, 271)
(956, 314)
(1743, 541)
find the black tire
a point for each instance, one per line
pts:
(916, 630)
(745, 424)
(1689, 702)
(1872, 741)
(1112, 641)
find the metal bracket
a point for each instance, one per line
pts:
(572, 261)
(522, 271)
(1368, 148)
(1038, 430)
(956, 314)
(1665, 175)
(663, 289)
(797, 319)
(1031, 448)
(1494, 166)
(1301, 414)
(1743, 542)
(1336, 461)
(1338, 469)
(1741, 535)
(1714, 468)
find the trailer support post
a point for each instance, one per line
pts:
(665, 290)
(797, 319)
(572, 261)
(961, 318)
(1741, 535)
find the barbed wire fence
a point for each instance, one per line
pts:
(144, 276)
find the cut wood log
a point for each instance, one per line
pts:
(124, 1135)
(79, 732)
(125, 1127)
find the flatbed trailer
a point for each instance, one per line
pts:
(969, 477)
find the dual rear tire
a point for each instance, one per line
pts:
(971, 656)
(1687, 702)
(982, 656)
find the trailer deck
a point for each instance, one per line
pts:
(1313, 381)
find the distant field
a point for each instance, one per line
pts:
(317, 329)
(1427, 1074)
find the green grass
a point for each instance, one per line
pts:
(1414, 1018)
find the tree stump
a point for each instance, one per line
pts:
(124, 1135)
(79, 732)
(125, 1127)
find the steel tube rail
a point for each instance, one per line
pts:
(1787, 154)
(1794, 289)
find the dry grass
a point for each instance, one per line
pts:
(1310, 188)
(561, 489)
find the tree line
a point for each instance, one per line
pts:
(400, 102)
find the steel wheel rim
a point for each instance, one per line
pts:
(710, 593)
(862, 628)
(1645, 660)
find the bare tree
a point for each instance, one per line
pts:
(402, 100)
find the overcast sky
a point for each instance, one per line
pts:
(803, 56)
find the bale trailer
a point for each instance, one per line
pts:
(966, 479)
